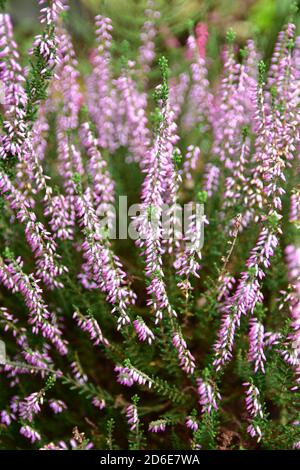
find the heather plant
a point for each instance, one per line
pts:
(120, 330)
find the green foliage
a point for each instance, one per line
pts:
(3, 4)
(205, 436)
(110, 425)
(38, 78)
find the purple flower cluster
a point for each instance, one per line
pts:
(132, 416)
(293, 263)
(28, 432)
(148, 34)
(158, 426)
(130, 375)
(57, 406)
(186, 359)
(41, 243)
(144, 333)
(14, 279)
(101, 99)
(208, 395)
(159, 187)
(31, 406)
(102, 266)
(98, 403)
(247, 295)
(254, 409)
(191, 423)
(11, 74)
(257, 343)
(91, 326)
(231, 148)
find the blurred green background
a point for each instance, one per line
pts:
(258, 19)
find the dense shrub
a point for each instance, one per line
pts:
(157, 342)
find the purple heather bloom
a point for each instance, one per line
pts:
(177, 93)
(191, 423)
(58, 406)
(37, 358)
(237, 185)
(276, 136)
(46, 43)
(91, 326)
(41, 243)
(61, 445)
(160, 187)
(211, 179)
(208, 394)
(187, 259)
(129, 375)
(103, 266)
(101, 100)
(148, 33)
(51, 13)
(103, 185)
(12, 76)
(254, 409)
(293, 264)
(74, 445)
(199, 100)
(132, 416)
(144, 333)
(257, 343)
(224, 344)
(14, 279)
(271, 339)
(31, 406)
(246, 296)
(252, 400)
(30, 433)
(226, 117)
(51, 446)
(6, 417)
(14, 403)
(67, 83)
(191, 160)
(62, 220)
(186, 359)
(226, 285)
(131, 118)
(295, 208)
(124, 377)
(78, 373)
(157, 426)
(99, 403)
